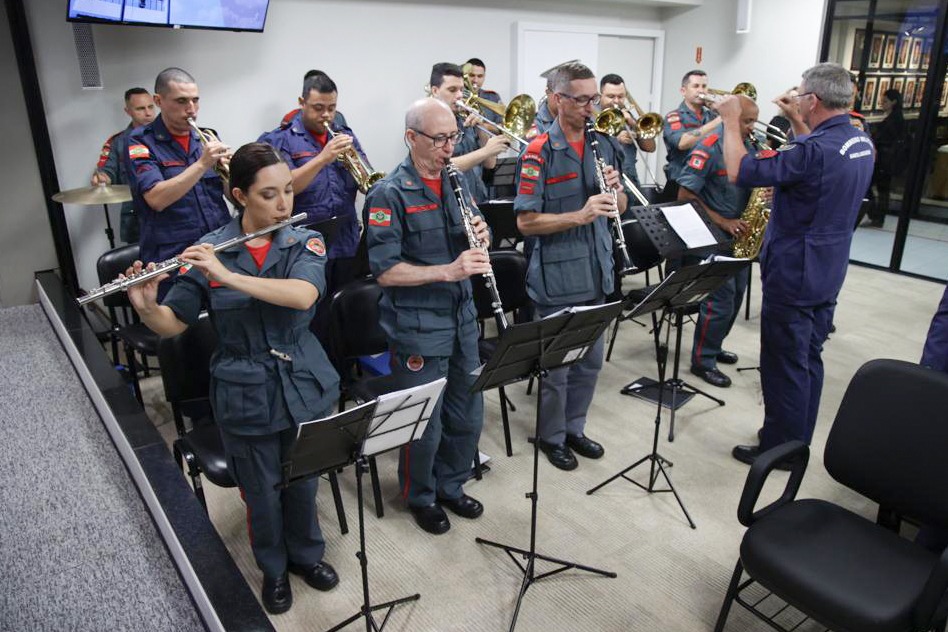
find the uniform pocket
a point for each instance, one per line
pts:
(239, 396)
(566, 269)
(425, 230)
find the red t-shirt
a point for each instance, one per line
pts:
(435, 185)
(184, 140)
(322, 139)
(579, 146)
(259, 253)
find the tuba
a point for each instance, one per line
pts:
(361, 171)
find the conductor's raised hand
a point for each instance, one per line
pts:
(143, 296)
(468, 263)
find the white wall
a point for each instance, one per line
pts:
(783, 42)
(379, 53)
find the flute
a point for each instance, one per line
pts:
(466, 216)
(122, 284)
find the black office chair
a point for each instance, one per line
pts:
(848, 573)
(125, 324)
(186, 360)
(510, 271)
(644, 258)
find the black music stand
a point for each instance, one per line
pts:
(502, 219)
(533, 349)
(677, 392)
(680, 289)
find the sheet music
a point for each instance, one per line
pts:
(401, 417)
(686, 222)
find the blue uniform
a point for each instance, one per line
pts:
(473, 178)
(268, 374)
(543, 121)
(153, 157)
(569, 268)
(113, 164)
(493, 97)
(820, 180)
(705, 175)
(678, 123)
(432, 328)
(935, 354)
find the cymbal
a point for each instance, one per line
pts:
(95, 195)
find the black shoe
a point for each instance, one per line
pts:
(726, 357)
(431, 518)
(749, 453)
(874, 223)
(711, 376)
(465, 506)
(559, 455)
(277, 595)
(320, 576)
(584, 446)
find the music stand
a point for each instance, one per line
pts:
(502, 219)
(397, 418)
(533, 349)
(683, 287)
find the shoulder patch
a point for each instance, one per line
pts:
(698, 159)
(535, 147)
(764, 154)
(138, 152)
(673, 116)
(184, 269)
(710, 139)
(530, 172)
(316, 246)
(380, 217)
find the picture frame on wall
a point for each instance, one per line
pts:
(915, 57)
(875, 51)
(898, 84)
(868, 94)
(926, 53)
(908, 95)
(888, 55)
(858, 42)
(919, 92)
(884, 84)
(944, 96)
(905, 47)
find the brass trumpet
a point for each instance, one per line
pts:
(749, 91)
(361, 171)
(207, 136)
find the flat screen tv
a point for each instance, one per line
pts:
(231, 15)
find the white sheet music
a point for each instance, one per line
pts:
(401, 417)
(686, 222)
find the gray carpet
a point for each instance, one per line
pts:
(78, 550)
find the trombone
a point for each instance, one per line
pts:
(517, 117)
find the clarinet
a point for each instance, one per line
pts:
(121, 285)
(618, 235)
(467, 215)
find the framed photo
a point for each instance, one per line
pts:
(915, 58)
(888, 52)
(884, 84)
(898, 84)
(908, 95)
(919, 92)
(858, 43)
(875, 51)
(905, 47)
(944, 96)
(868, 94)
(926, 53)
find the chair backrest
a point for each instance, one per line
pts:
(111, 264)
(510, 271)
(354, 317)
(889, 441)
(642, 251)
(185, 362)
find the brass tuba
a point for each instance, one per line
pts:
(361, 171)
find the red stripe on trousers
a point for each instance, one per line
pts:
(249, 527)
(704, 330)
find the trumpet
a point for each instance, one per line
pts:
(361, 171)
(749, 91)
(122, 284)
(207, 136)
(467, 214)
(618, 235)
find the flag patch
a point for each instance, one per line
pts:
(138, 152)
(530, 172)
(380, 217)
(316, 246)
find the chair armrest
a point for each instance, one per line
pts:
(931, 605)
(795, 453)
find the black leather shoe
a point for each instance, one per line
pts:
(584, 446)
(559, 455)
(465, 506)
(749, 453)
(320, 576)
(431, 518)
(726, 357)
(712, 376)
(277, 595)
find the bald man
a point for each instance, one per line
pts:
(703, 179)
(424, 263)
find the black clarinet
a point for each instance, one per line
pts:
(467, 216)
(618, 236)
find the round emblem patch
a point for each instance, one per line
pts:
(415, 363)
(316, 246)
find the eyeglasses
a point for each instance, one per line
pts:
(582, 101)
(806, 94)
(441, 140)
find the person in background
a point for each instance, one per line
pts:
(889, 135)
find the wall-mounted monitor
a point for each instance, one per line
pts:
(231, 15)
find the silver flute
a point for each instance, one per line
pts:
(467, 217)
(618, 235)
(122, 284)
